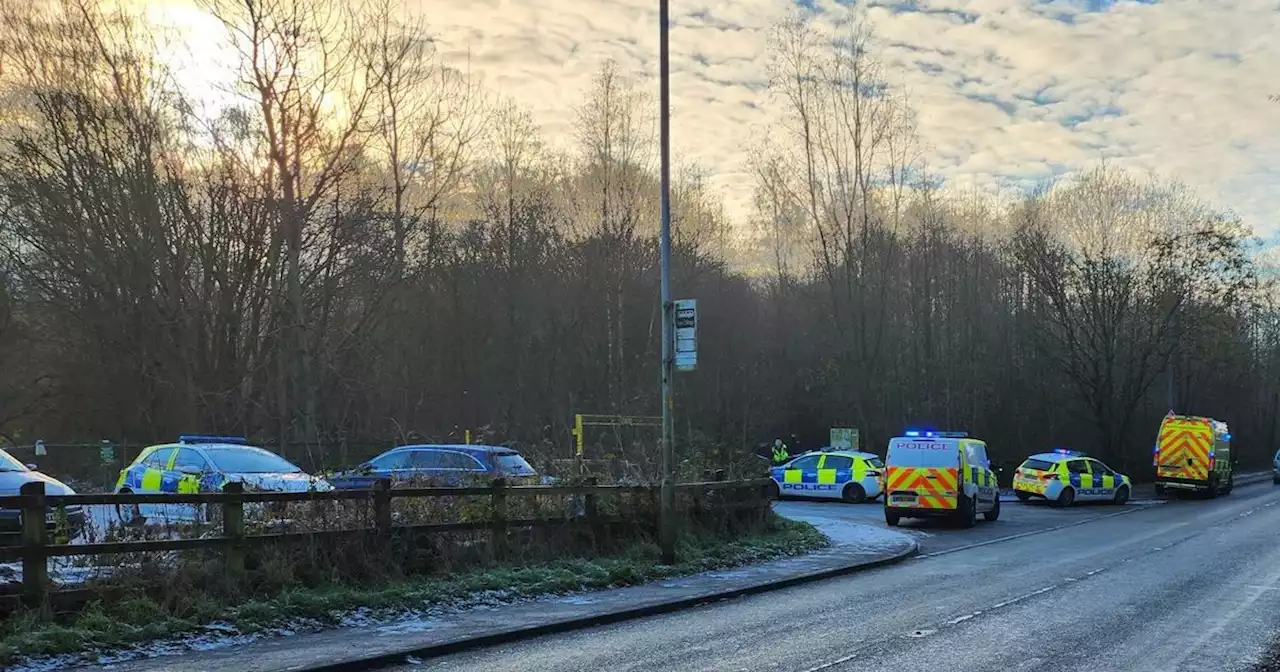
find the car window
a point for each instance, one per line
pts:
(806, 462)
(240, 460)
(977, 454)
(1078, 467)
(10, 463)
(190, 458)
(1100, 468)
(838, 462)
(158, 459)
(454, 460)
(513, 464)
(1038, 465)
(391, 461)
(876, 462)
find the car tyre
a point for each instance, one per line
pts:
(1065, 498)
(1023, 497)
(1122, 495)
(853, 494)
(968, 512)
(892, 518)
(130, 515)
(775, 493)
(1275, 480)
(994, 514)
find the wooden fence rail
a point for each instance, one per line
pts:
(37, 507)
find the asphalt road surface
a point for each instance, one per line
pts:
(1187, 585)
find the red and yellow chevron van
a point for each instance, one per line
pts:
(939, 474)
(1193, 454)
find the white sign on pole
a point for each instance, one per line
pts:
(844, 438)
(686, 319)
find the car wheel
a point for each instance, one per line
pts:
(1275, 480)
(774, 491)
(853, 494)
(1023, 496)
(1066, 498)
(994, 514)
(967, 509)
(891, 517)
(129, 514)
(1122, 495)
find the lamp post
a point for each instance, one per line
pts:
(666, 521)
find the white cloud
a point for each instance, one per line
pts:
(1008, 91)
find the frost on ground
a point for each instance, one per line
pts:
(221, 634)
(842, 532)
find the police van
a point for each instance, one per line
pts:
(1193, 454)
(850, 475)
(939, 474)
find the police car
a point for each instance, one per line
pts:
(198, 464)
(849, 475)
(1065, 477)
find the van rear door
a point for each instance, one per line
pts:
(1183, 450)
(923, 473)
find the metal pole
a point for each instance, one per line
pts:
(666, 522)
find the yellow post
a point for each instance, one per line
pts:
(467, 434)
(577, 431)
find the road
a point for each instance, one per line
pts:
(1188, 585)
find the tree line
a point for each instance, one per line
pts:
(366, 244)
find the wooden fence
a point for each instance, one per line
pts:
(750, 497)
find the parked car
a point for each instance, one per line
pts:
(445, 464)
(198, 464)
(13, 475)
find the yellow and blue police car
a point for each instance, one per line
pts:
(198, 464)
(1064, 477)
(850, 475)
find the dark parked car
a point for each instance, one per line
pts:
(449, 465)
(13, 474)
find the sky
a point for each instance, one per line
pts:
(1009, 93)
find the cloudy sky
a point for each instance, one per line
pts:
(1009, 92)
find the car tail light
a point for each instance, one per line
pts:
(1048, 477)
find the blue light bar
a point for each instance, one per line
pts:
(1072, 453)
(197, 438)
(913, 432)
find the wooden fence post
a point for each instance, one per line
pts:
(35, 564)
(233, 526)
(382, 514)
(499, 528)
(592, 511)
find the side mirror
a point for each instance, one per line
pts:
(30, 465)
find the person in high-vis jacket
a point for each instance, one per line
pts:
(780, 453)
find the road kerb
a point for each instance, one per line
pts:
(506, 637)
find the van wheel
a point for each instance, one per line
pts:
(1231, 484)
(1213, 487)
(967, 509)
(130, 515)
(1122, 495)
(994, 514)
(1160, 491)
(853, 494)
(1065, 498)
(891, 517)
(774, 492)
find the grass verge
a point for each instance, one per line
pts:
(137, 618)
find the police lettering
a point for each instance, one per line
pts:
(823, 487)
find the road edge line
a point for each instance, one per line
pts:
(584, 622)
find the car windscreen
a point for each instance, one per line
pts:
(249, 461)
(513, 464)
(1038, 465)
(10, 463)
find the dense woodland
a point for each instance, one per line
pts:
(373, 246)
